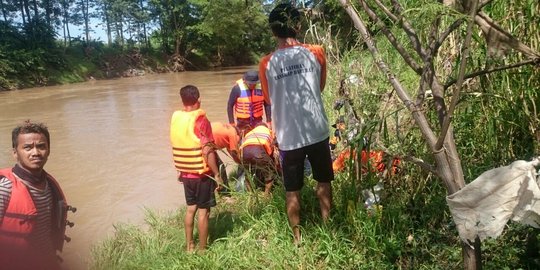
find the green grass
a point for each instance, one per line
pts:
(495, 123)
(253, 233)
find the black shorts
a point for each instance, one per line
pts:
(200, 191)
(319, 157)
(261, 164)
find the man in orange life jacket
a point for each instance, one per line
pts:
(32, 204)
(257, 152)
(246, 102)
(226, 136)
(196, 162)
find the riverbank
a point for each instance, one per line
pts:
(253, 233)
(96, 61)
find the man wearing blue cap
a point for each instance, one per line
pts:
(246, 103)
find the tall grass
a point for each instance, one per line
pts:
(496, 122)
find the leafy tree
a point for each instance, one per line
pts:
(233, 31)
(423, 46)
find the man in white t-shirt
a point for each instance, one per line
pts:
(292, 79)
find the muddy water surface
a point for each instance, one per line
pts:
(110, 146)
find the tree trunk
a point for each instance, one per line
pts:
(3, 10)
(26, 6)
(22, 13)
(85, 9)
(106, 10)
(48, 11)
(67, 36)
(448, 164)
(36, 13)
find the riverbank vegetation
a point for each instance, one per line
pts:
(447, 67)
(39, 45)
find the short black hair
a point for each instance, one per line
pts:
(28, 127)
(189, 95)
(284, 21)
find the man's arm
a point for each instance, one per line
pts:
(263, 79)
(319, 53)
(235, 93)
(268, 110)
(211, 159)
(203, 130)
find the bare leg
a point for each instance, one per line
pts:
(202, 226)
(324, 193)
(293, 212)
(188, 224)
(247, 183)
(268, 187)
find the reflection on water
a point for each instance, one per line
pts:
(110, 146)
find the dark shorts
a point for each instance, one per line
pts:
(260, 163)
(200, 191)
(320, 159)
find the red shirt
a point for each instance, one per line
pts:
(203, 131)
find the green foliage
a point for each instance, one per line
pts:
(232, 33)
(495, 123)
(27, 56)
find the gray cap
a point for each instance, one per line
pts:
(251, 77)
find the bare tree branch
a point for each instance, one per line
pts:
(499, 39)
(461, 75)
(495, 69)
(447, 32)
(422, 164)
(406, 56)
(482, 4)
(411, 33)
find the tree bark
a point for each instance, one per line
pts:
(3, 10)
(448, 164)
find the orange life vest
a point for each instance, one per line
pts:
(249, 103)
(260, 135)
(19, 218)
(186, 146)
(374, 158)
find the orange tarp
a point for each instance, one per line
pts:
(374, 158)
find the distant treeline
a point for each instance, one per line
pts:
(38, 45)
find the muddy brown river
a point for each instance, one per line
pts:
(110, 146)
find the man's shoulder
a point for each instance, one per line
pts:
(4, 174)
(235, 89)
(314, 48)
(202, 118)
(5, 183)
(202, 123)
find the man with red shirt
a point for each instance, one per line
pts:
(196, 163)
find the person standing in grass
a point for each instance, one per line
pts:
(196, 163)
(292, 79)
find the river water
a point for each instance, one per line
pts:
(110, 147)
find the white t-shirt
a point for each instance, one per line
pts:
(291, 78)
